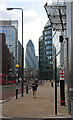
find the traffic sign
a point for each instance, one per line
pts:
(61, 75)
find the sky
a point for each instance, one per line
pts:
(34, 19)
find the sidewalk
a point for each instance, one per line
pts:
(41, 107)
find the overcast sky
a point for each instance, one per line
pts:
(35, 18)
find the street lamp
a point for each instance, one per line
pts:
(22, 46)
(17, 66)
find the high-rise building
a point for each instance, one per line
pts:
(10, 28)
(45, 53)
(31, 60)
(5, 56)
(19, 61)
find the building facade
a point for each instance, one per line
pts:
(10, 28)
(68, 51)
(5, 56)
(19, 60)
(45, 53)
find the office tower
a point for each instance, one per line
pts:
(45, 53)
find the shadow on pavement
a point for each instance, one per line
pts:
(50, 118)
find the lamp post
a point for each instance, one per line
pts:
(22, 46)
(55, 84)
(17, 66)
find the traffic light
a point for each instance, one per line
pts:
(61, 38)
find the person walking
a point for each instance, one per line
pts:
(34, 88)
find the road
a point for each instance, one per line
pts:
(9, 91)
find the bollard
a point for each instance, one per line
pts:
(51, 84)
(16, 92)
(27, 89)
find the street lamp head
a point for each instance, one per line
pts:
(17, 66)
(14, 8)
(9, 8)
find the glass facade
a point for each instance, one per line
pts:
(10, 33)
(45, 54)
(31, 61)
(10, 28)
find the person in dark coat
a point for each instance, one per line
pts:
(34, 88)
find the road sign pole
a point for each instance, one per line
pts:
(62, 88)
(55, 85)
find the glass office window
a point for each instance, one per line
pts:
(48, 42)
(48, 32)
(41, 43)
(48, 52)
(48, 47)
(51, 62)
(41, 47)
(48, 37)
(49, 57)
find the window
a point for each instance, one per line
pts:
(2, 31)
(5, 31)
(48, 47)
(48, 42)
(12, 39)
(48, 57)
(51, 62)
(41, 43)
(12, 31)
(48, 52)
(48, 32)
(41, 47)
(47, 37)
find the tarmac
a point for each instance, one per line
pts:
(43, 106)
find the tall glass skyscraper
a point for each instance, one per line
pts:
(31, 60)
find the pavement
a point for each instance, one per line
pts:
(43, 106)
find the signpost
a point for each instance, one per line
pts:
(62, 88)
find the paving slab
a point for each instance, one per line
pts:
(41, 107)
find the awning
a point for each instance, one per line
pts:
(57, 16)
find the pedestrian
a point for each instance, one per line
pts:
(34, 88)
(50, 80)
(41, 83)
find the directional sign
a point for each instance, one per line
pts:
(61, 75)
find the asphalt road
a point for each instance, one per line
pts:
(9, 91)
